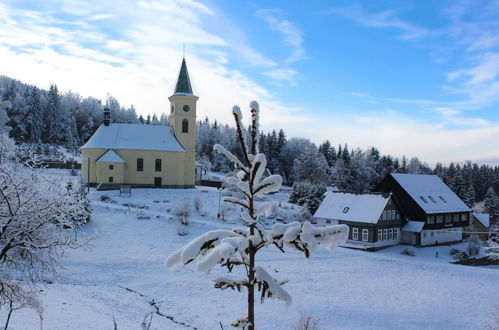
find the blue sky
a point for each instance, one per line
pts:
(419, 78)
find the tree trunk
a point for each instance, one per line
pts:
(251, 286)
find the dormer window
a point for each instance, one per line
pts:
(443, 199)
(423, 199)
(432, 199)
(345, 209)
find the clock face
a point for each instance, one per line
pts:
(186, 108)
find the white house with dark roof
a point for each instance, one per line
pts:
(373, 218)
(434, 213)
(146, 155)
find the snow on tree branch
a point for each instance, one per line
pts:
(240, 246)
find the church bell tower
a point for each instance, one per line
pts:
(183, 111)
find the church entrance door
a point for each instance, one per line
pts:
(157, 182)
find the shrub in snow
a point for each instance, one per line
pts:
(458, 254)
(239, 246)
(307, 322)
(473, 247)
(182, 212)
(408, 252)
(105, 198)
(196, 203)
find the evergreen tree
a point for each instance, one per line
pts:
(491, 204)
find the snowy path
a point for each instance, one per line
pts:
(348, 289)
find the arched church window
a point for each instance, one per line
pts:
(185, 126)
(140, 164)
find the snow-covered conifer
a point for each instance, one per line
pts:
(239, 246)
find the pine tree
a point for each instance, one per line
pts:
(491, 204)
(239, 246)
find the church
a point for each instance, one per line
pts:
(146, 155)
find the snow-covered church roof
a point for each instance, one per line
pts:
(134, 137)
(110, 157)
(344, 206)
(431, 194)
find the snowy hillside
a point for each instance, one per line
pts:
(123, 276)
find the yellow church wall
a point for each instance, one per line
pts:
(104, 173)
(176, 168)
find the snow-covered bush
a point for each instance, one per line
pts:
(239, 246)
(408, 252)
(473, 247)
(307, 322)
(182, 212)
(457, 254)
(196, 203)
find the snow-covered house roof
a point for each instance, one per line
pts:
(352, 207)
(484, 218)
(430, 193)
(413, 226)
(134, 137)
(110, 157)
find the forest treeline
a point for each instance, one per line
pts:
(39, 116)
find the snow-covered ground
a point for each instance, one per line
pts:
(123, 274)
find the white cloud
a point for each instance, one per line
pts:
(137, 62)
(292, 35)
(383, 19)
(283, 74)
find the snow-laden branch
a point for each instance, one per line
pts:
(269, 287)
(197, 247)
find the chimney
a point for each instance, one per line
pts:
(107, 116)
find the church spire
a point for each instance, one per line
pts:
(183, 83)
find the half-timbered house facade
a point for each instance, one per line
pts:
(373, 218)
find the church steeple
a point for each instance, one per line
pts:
(183, 83)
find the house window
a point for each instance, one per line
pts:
(140, 164)
(355, 234)
(380, 234)
(440, 218)
(365, 235)
(424, 235)
(395, 233)
(385, 234)
(448, 218)
(393, 214)
(390, 234)
(456, 217)
(443, 199)
(345, 209)
(397, 216)
(157, 165)
(111, 179)
(185, 126)
(431, 219)
(464, 217)
(111, 167)
(328, 222)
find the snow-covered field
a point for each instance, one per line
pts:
(123, 276)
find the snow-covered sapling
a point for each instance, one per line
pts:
(239, 246)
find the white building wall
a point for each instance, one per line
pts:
(325, 222)
(431, 237)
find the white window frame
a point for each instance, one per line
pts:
(393, 214)
(431, 219)
(440, 218)
(355, 234)
(395, 233)
(365, 235)
(448, 218)
(390, 234)
(380, 235)
(464, 217)
(385, 234)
